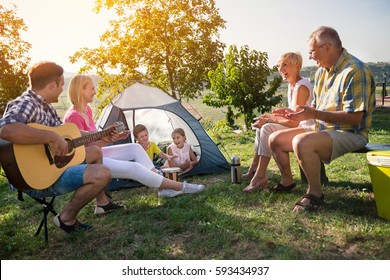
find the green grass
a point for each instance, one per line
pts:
(219, 223)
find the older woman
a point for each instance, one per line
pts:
(299, 93)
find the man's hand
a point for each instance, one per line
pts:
(58, 145)
(303, 113)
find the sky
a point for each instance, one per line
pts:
(58, 28)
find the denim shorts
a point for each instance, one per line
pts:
(70, 180)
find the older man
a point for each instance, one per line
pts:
(344, 100)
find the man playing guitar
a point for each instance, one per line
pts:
(86, 175)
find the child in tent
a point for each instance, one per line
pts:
(185, 157)
(141, 135)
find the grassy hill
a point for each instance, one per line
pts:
(378, 69)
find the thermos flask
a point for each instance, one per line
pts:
(235, 167)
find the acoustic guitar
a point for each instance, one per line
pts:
(34, 167)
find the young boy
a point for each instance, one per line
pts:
(141, 135)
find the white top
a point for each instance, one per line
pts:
(183, 154)
(291, 101)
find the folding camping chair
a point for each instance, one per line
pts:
(46, 203)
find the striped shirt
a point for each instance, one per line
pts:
(30, 108)
(347, 86)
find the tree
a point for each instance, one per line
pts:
(241, 82)
(175, 42)
(13, 56)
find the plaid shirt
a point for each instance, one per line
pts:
(30, 108)
(348, 86)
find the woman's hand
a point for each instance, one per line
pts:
(282, 112)
(259, 122)
(115, 135)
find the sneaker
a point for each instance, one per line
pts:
(77, 226)
(192, 188)
(169, 193)
(107, 208)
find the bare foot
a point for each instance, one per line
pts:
(256, 185)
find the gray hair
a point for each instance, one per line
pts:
(325, 34)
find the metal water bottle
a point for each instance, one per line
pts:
(235, 167)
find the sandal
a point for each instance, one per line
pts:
(314, 202)
(279, 188)
(77, 226)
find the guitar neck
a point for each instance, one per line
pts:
(83, 140)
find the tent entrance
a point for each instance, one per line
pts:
(163, 123)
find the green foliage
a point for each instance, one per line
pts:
(241, 81)
(379, 69)
(13, 56)
(230, 116)
(175, 42)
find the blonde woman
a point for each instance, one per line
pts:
(299, 93)
(125, 161)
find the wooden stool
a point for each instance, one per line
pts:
(171, 173)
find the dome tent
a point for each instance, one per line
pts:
(161, 114)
